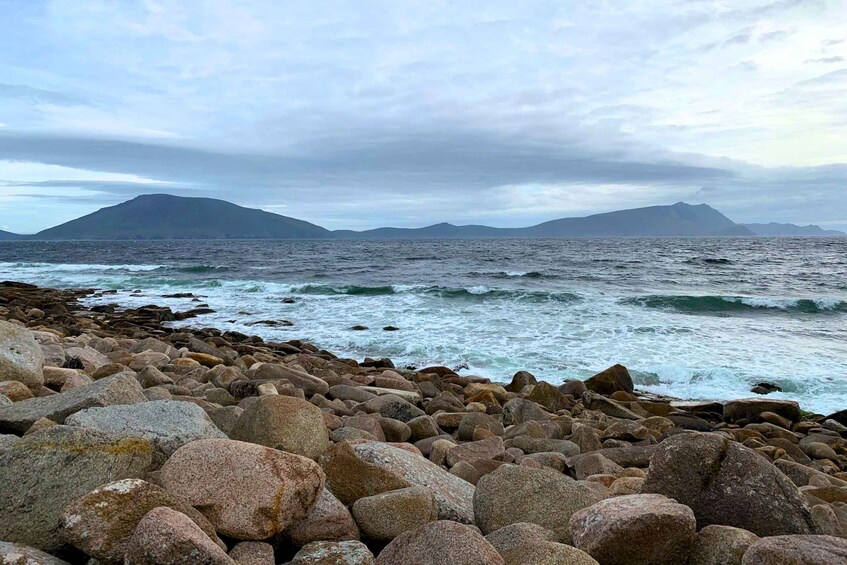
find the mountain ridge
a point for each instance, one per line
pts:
(164, 216)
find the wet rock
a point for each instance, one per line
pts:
(167, 537)
(520, 380)
(168, 424)
(21, 358)
(751, 408)
(640, 528)
(715, 545)
(42, 473)
(797, 549)
(101, 522)
(727, 483)
(513, 494)
(615, 378)
(440, 543)
(385, 516)
(334, 553)
(329, 520)
(247, 491)
(284, 423)
(118, 389)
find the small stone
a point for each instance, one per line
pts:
(334, 553)
(715, 545)
(385, 516)
(640, 528)
(285, 423)
(440, 543)
(167, 537)
(797, 549)
(329, 520)
(253, 553)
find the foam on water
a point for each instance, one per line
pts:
(690, 329)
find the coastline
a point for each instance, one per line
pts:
(359, 441)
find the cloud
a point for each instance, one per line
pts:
(366, 113)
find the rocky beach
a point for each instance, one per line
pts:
(125, 439)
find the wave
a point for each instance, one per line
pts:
(200, 269)
(81, 267)
(470, 293)
(709, 261)
(738, 304)
(514, 274)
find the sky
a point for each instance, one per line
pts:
(358, 114)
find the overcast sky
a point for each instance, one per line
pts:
(361, 114)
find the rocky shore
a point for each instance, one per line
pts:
(125, 440)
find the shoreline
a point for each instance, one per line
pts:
(200, 434)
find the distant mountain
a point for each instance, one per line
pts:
(9, 236)
(161, 216)
(681, 219)
(774, 229)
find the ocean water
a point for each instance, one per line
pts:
(696, 318)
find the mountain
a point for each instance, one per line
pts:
(681, 219)
(9, 236)
(774, 229)
(161, 216)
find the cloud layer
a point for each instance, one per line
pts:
(360, 114)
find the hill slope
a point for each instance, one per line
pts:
(161, 216)
(678, 220)
(774, 229)
(9, 236)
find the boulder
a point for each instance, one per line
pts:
(19, 554)
(518, 534)
(247, 491)
(167, 537)
(726, 483)
(474, 420)
(594, 464)
(42, 473)
(334, 553)
(392, 406)
(715, 545)
(547, 553)
(520, 410)
(615, 378)
(169, 424)
(471, 451)
(117, 389)
(797, 550)
(638, 528)
(752, 408)
(329, 520)
(309, 384)
(513, 494)
(550, 397)
(101, 522)
(15, 391)
(285, 423)
(385, 516)
(440, 543)
(21, 358)
(520, 380)
(356, 471)
(88, 357)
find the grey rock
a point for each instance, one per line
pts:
(169, 424)
(727, 483)
(334, 553)
(797, 550)
(43, 472)
(21, 358)
(117, 389)
(19, 554)
(513, 494)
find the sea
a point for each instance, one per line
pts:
(693, 318)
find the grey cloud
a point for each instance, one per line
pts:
(826, 60)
